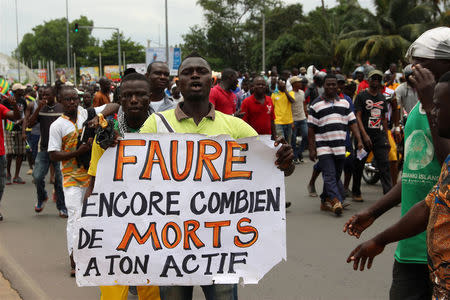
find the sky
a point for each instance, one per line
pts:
(141, 20)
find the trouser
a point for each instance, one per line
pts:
(120, 292)
(301, 126)
(284, 130)
(212, 292)
(2, 175)
(73, 196)
(380, 152)
(33, 141)
(40, 170)
(410, 281)
(331, 168)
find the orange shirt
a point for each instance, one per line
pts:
(100, 99)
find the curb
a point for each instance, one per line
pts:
(20, 281)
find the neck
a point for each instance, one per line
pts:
(157, 95)
(136, 122)
(260, 97)
(372, 91)
(72, 115)
(330, 97)
(196, 109)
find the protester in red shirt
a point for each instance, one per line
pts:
(257, 110)
(221, 95)
(13, 115)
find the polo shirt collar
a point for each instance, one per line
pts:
(337, 98)
(180, 115)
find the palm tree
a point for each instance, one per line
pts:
(390, 32)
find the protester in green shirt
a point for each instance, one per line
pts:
(197, 115)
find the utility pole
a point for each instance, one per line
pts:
(118, 53)
(75, 68)
(100, 64)
(263, 41)
(17, 40)
(167, 37)
(67, 34)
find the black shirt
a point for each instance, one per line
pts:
(372, 109)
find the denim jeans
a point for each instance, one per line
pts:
(284, 130)
(40, 170)
(301, 126)
(212, 292)
(331, 168)
(33, 141)
(2, 175)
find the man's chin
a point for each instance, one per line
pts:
(194, 97)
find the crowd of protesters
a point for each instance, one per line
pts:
(343, 121)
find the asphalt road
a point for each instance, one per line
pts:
(33, 254)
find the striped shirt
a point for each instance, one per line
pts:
(330, 121)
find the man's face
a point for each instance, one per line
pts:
(87, 99)
(19, 93)
(375, 81)
(393, 68)
(441, 109)
(360, 76)
(135, 97)
(69, 100)
(159, 76)
(47, 95)
(297, 85)
(195, 79)
(330, 86)
(233, 81)
(281, 85)
(259, 86)
(437, 66)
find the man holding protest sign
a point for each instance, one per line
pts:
(135, 100)
(197, 115)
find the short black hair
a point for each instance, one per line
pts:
(227, 73)
(149, 68)
(134, 76)
(329, 76)
(64, 88)
(129, 71)
(445, 78)
(193, 54)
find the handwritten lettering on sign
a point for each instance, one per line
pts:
(179, 209)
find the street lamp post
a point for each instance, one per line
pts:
(167, 37)
(118, 41)
(67, 34)
(17, 40)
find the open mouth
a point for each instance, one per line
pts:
(196, 86)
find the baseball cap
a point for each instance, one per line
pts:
(17, 86)
(295, 79)
(375, 72)
(340, 77)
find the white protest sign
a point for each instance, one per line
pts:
(182, 209)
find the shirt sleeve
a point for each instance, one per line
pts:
(96, 153)
(272, 110)
(312, 118)
(55, 137)
(292, 94)
(3, 111)
(149, 125)
(243, 129)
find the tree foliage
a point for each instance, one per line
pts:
(48, 42)
(339, 36)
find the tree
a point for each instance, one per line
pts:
(134, 52)
(48, 41)
(396, 24)
(224, 42)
